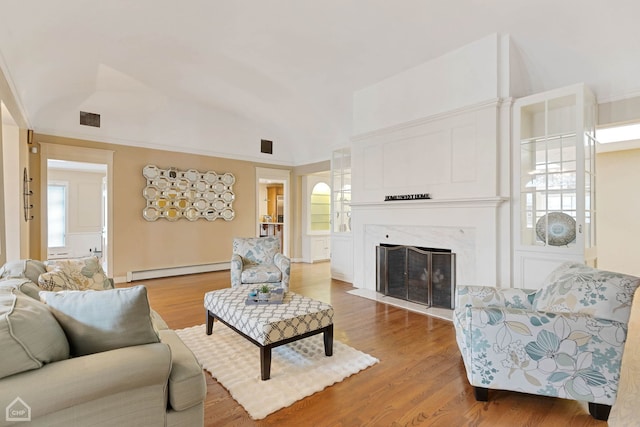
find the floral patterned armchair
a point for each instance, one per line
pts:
(564, 340)
(258, 260)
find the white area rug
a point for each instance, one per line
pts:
(298, 369)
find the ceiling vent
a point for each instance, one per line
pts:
(90, 119)
(266, 146)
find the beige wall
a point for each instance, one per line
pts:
(618, 204)
(142, 245)
(13, 192)
(9, 101)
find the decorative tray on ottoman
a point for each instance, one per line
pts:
(276, 297)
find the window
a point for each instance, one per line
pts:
(57, 214)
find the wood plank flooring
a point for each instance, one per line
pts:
(420, 380)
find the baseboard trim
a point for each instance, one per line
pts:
(176, 271)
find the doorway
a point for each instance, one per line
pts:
(272, 204)
(75, 206)
(76, 195)
(617, 202)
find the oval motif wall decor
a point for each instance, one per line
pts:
(556, 229)
(173, 194)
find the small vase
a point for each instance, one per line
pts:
(264, 296)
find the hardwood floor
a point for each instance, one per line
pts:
(420, 380)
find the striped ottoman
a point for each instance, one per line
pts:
(270, 325)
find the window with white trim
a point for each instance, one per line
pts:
(57, 214)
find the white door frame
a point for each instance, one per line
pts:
(75, 154)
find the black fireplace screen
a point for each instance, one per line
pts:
(422, 275)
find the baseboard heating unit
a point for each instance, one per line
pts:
(176, 271)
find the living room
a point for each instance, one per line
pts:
(452, 107)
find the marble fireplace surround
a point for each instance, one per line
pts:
(469, 228)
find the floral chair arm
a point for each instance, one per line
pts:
(569, 355)
(488, 296)
(284, 264)
(236, 270)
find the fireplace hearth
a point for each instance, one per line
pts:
(417, 274)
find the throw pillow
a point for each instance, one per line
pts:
(29, 334)
(25, 286)
(560, 271)
(578, 288)
(24, 268)
(74, 274)
(256, 250)
(101, 321)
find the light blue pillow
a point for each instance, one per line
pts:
(96, 321)
(24, 268)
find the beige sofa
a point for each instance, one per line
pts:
(53, 375)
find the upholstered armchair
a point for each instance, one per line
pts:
(564, 340)
(258, 260)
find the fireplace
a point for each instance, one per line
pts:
(417, 274)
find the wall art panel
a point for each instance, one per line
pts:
(173, 194)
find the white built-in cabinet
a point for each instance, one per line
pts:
(553, 182)
(316, 214)
(341, 235)
(320, 248)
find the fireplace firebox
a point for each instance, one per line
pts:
(417, 274)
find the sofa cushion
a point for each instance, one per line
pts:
(74, 274)
(577, 288)
(187, 385)
(100, 321)
(24, 268)
(24, 285)
(29, 334)
(158, 322)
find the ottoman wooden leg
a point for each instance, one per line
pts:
(210, 318)
(328, 340)
(265, 362)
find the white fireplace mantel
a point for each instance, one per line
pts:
(466, 226)
(478, 202)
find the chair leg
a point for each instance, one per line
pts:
(599, 411)
(481, 394)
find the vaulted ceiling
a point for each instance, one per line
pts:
(216, 76)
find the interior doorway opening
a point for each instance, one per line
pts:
(86, 218)
(76, 206)
(272, 205)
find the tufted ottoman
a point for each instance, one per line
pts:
(270, 325)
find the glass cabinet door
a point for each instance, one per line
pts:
(553, 183)
(548, 190)
(590, 177)
(550, 173)
(341, 190)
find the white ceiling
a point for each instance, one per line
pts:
(214, 77)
